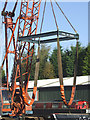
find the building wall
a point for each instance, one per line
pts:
(53, 93)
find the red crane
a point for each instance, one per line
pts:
(26, 25)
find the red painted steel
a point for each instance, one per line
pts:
(26, 24)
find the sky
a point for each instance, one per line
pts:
(76, 12)
(49, 0)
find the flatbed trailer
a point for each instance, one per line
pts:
(68, 116)
(48, 112)
(54, 116)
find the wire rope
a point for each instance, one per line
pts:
(65, 16)
(5, 6)
(15, 6)
(54, 14)
(43, 17)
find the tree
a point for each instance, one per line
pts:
(81, 56)
(65, 62)
(49, 67)
(69, 62)
(68, 59)
(3, 77)
(53, 60)
(32, 73)
(86, 62)
(46, 68)
(48, 71)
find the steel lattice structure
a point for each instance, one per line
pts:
(26, 23)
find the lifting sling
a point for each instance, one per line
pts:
(35, 81)
(61, 74)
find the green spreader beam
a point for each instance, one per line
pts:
(63, 36)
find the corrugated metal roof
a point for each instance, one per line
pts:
(68, 81)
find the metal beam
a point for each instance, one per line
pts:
(30, 38)
(27, 40)
(71, 35)
(39, 35)
(49, 40)
(55, 39)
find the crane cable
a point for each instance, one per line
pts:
(36, 68)
(60, 62)
(54, 14)
(11, 14)
(4, 7)
(43, 17)
(65, 16)
(15, 6)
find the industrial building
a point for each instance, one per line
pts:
(49, 89)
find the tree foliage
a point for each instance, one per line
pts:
(86, 62)
(68, 59)
(48, 68)
(53, 60)
(45, 68)
(3, 77)
(48, 71)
